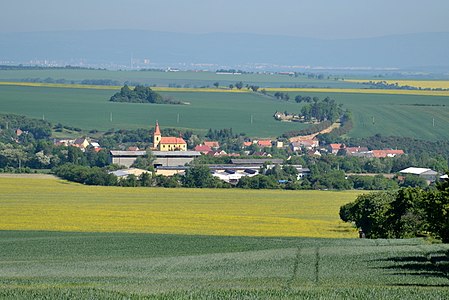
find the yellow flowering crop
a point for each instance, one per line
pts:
(56, 205)
(425, 84)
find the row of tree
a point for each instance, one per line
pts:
(408, 212)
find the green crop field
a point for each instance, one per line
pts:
(60, 265)
(423, 117)
(91, 109)
(418, 116)
(60, 240)
(178, 78)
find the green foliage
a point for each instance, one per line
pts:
(436, 208)
(141, 94)
(201, 177)
(33, 128)
(85, 175)
(370, 213)
(324, 110)
(409, 212)
(377, 182)
(258, 182)
(145, 162)
(282, 96)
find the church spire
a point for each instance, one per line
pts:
(157, 130)
(156, 136)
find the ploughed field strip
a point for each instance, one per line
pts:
(123, 265)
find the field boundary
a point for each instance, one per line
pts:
(114, 87)
(26, 175)
(221, 90)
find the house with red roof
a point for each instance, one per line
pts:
(387, 153)
(203, 149)
(264, 143)
(333, 148)
(212, 144)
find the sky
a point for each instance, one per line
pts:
(325, 19)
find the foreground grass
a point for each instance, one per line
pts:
(49, 204)
(61, 265)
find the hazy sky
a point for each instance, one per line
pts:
(306, 18)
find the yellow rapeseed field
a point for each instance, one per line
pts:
(57, 205)
(425, 84)
(360, 91)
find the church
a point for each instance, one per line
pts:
(162, 143)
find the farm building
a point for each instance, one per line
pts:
(126, 172)
(428, 174)
(163, 158)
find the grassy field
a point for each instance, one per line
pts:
(46, 204)
(60, 240)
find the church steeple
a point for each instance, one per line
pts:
(156, 136)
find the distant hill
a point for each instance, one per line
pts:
(117, 46)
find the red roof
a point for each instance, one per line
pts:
(212, 144)
(247, 144)
(264, 143)
(387, 153)
(356, 149)
(157, 130)
(203, 148)
(172, 140)
(335, 146)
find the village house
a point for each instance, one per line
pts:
(81, 143)
(212, 144)
(334, 148)
(203, 149)
(304, 144)
(264, 143)
(387, 153)
(349, 151)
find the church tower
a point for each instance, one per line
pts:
(156, 136)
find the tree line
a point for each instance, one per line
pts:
(405, 213)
